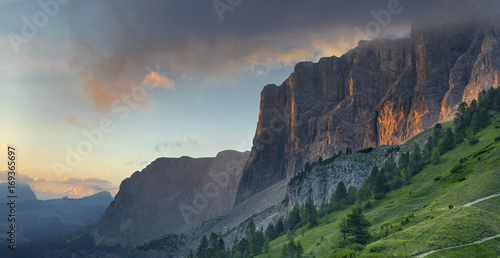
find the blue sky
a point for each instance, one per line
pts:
(202, 76)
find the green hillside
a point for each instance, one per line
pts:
(426, 214)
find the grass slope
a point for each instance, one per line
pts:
(425, 202)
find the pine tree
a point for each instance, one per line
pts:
(437, 133)
(265, 247)
(310, 212)
(300, 250)
(406, 175)
(448, 142)
(391, 174)
(355, 226)
(484, 118)
(415, 160)
(475, 123)
(202, 251)
(351, 195)
(256, 242)
(435, 156)
(271, 232)
(236, 242)
(213, 241)
(379, 187)
(363, 193)
(280, 227)
(371, 179)
(221, 245)
(250, 230)
(340, 195)
(243, 246)
(404, 160)
(496, 100)
(462, 109)
(284, 251)
(293, 218)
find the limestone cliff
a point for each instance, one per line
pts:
(382, 92)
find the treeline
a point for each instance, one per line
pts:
(469, 119)
(254, 243)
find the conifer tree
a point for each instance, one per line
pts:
(355, 226)
(340, 195)
(435, 156)
(310, 212)
(203, 248)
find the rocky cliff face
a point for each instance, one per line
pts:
(171, 195)
(379, 93)
(322, 180)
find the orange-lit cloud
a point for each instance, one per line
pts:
(101, 95)
(78, 191)
(69, 186)
(86, 180)
(74, 121)
(156, 80)
(39, 180)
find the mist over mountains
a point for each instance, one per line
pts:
(37, 219)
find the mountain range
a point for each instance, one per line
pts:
(382, 92)
(37, 219)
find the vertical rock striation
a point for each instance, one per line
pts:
(380, 93)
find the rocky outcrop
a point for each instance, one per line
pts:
(171, 195)
(322, 180)
(382, 92)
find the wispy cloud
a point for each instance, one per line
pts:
(74, 121)
(175, 144)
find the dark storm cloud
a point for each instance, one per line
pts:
(117, 40)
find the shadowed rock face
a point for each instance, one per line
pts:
(379, 93)
(171, 195)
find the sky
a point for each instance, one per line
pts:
(95, 90)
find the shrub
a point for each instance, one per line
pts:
(437, 178)
(473, 140)
(367, 150)
(375, 249)
(497, 139)
(456, 168)
(344, 252)
(450, 206)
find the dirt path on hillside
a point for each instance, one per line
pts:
(481, 199)
(477, 242)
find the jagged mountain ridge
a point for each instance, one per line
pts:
(382, 92)
(171, 195)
